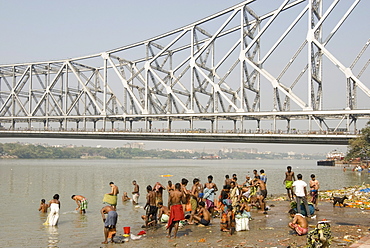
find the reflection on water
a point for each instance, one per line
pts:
(80, 221)
(24, 182)
(53, 236)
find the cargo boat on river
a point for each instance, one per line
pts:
(333, 158)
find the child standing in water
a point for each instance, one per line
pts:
(43, 206)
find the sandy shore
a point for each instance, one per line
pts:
(347, 225)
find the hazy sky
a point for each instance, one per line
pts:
(49, 30)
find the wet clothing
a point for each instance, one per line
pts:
(135, 197)
(300, 230)
(288, 184)
(53, 216)
(83, 204)
(314, 194)
(264, 193)
(177, 214)
(111, 220)
(194, 204)
(151, 212)
(204, 222)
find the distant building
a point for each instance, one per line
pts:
(245, 150)
(135, 145)
(176, 150)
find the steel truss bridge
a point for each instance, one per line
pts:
(256, 70)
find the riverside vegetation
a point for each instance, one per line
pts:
(31, 151)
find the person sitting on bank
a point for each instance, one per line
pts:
(204, 216)
(299, 223)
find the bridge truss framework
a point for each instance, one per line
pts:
(210, 70)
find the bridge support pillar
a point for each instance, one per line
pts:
(131, 125)
(212, 125)
(216, 120)
(242, 124)
(234, 126)
(169, 124)
(191, 123)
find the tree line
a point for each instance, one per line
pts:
(360, 147)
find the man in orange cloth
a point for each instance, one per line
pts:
(175, 202)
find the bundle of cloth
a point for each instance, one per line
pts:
(110, 199)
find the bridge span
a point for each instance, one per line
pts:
(228, 137)
(260, 64)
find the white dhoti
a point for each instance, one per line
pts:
(53, 216)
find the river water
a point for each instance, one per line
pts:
(24, 182)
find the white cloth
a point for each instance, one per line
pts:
(241, 223)
(299, 186)
(53, 216)
(135, 197)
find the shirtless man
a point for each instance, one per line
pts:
(163, 213)
(204, 216)
(135, 193)
(288, 181)
(109, 223)
(170, 187)
(210, 189)
(158, 189)
(125, 197)
(43, 206)
(175, 201)
(299, 223)
(314, 191)
(261, 198)
(150, 206)
(53, 216)
(185, 192)
(114, 192)
(194, 193)
(227, 180)
(81, 202)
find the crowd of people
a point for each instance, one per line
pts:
(198, 204)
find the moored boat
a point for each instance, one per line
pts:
(333, 158)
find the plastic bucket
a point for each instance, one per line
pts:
(126, 230)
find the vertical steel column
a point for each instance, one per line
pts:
(241, 61)
(146, 83)
(192, 76)
(13, 97)
(105, 75)
(216, 119)
(309, 55)
(169, 122)
(30, 91)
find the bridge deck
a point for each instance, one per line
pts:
(325, 139)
